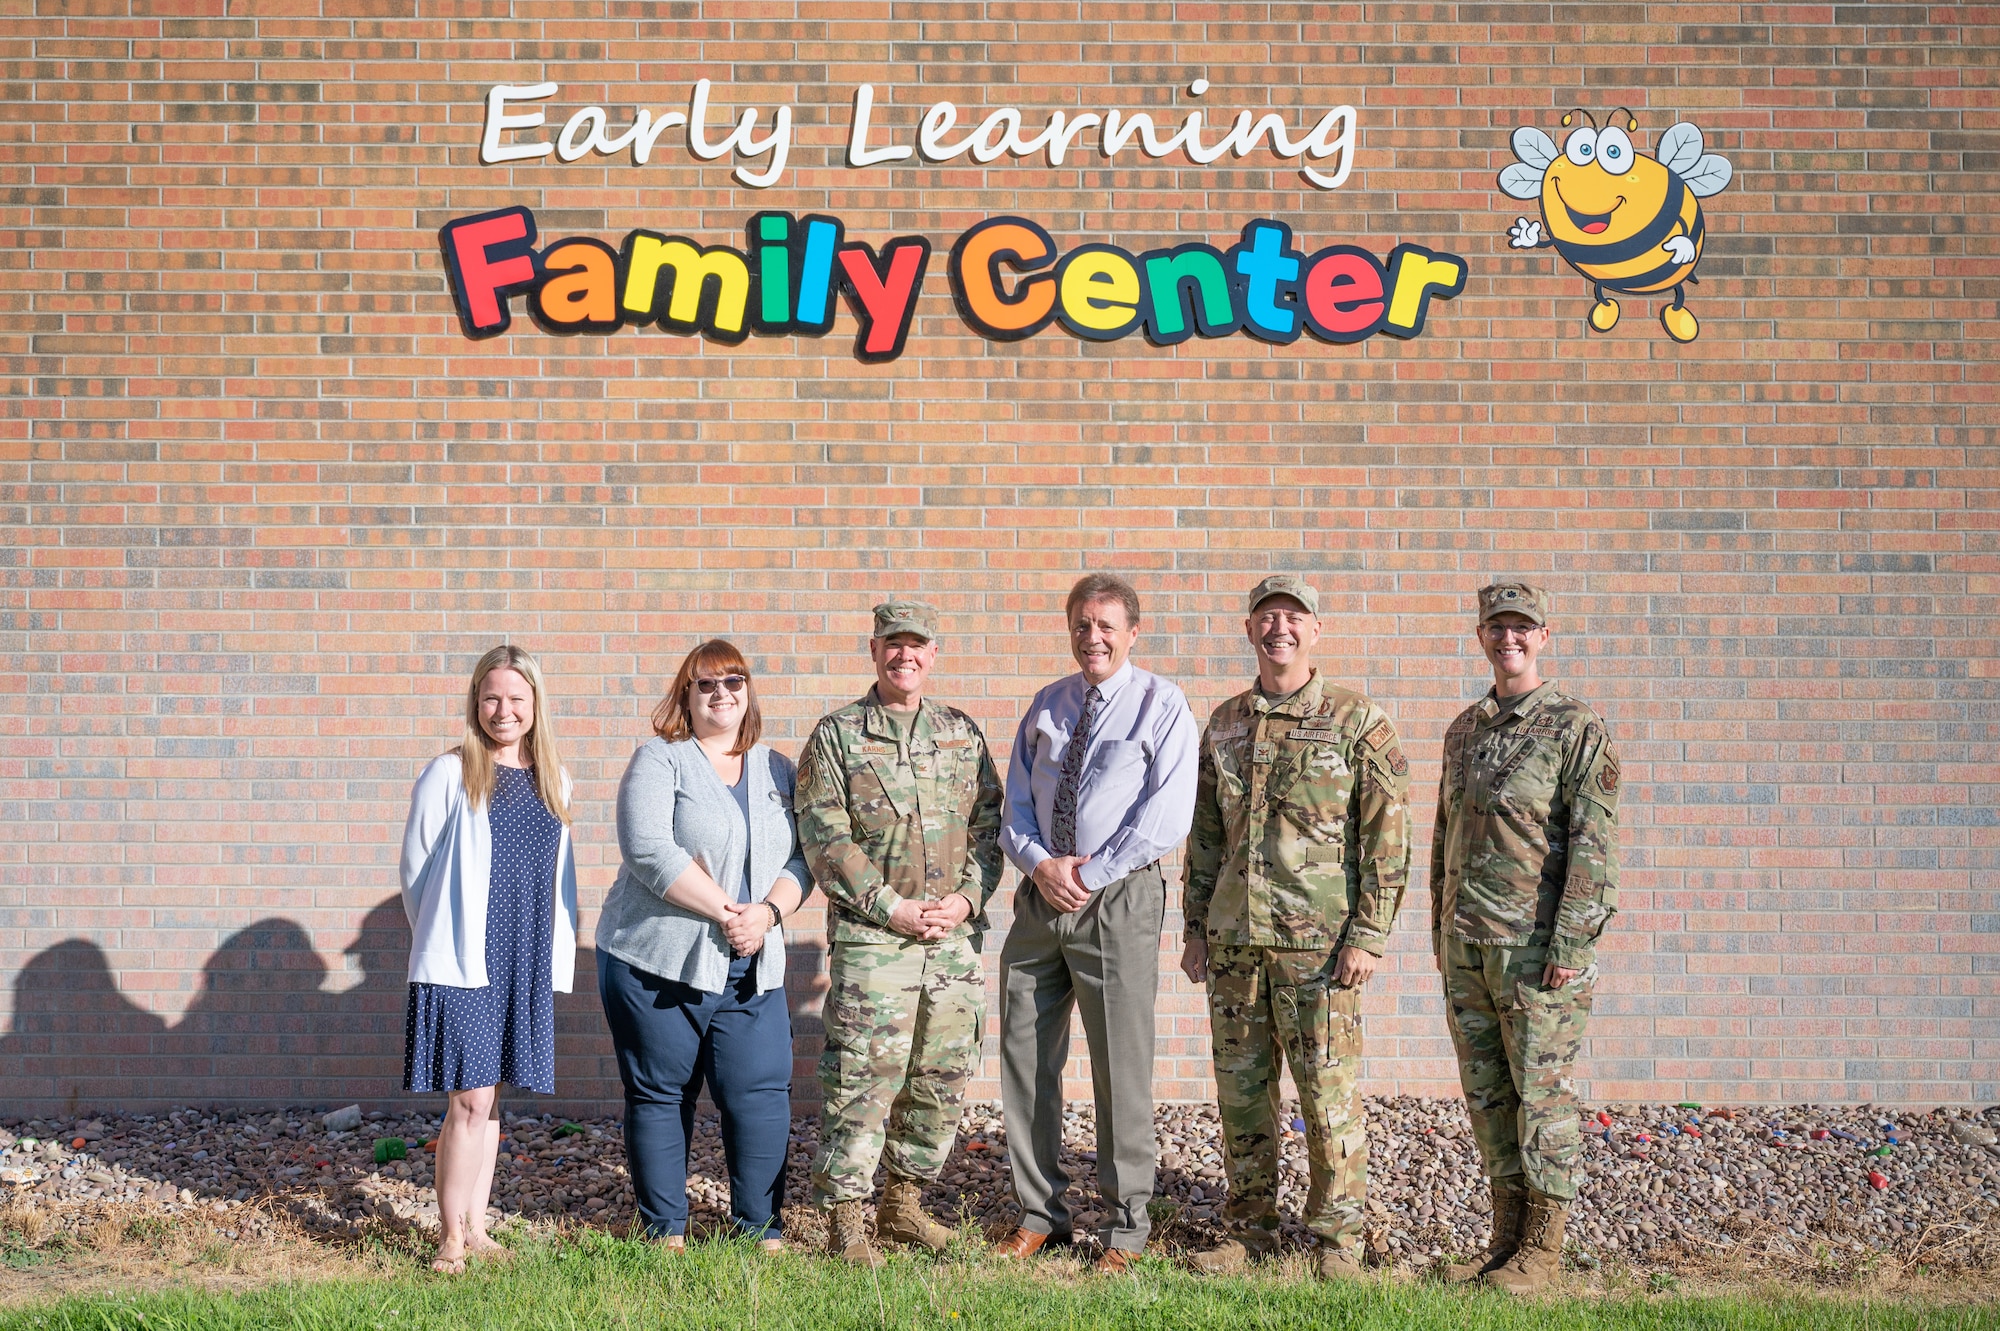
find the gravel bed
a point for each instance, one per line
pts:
(1829, 1188)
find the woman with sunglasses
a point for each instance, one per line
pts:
(691, 953)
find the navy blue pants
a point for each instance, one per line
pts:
(670, 1039)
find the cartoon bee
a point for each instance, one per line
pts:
(1626, 221)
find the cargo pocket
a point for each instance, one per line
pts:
(1549, 1024)
(1338, 1025)
(1531, 995)
(1558, 1143)
(869, 802)
(1347, 1152)
(1311, 1013)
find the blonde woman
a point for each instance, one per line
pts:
(489, 884)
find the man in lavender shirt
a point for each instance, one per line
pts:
(1101, 786)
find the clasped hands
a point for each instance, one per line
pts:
(1059, 883)
(744, 925)
(928, 921)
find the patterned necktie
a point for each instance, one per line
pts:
(1064, 837)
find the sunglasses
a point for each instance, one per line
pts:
(734, 683)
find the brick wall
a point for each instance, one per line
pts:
(264, 502)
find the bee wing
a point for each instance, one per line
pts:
(1679, 148)
(1521, 182)
(1710, 174)
(1533, 147)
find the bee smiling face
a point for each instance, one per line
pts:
(1601, 190)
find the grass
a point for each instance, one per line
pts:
(597, 1283)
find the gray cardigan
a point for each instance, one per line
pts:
(673, 810)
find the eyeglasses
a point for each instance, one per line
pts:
(1500, 631)
(734, 683)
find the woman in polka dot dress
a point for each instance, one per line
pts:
(489, 884)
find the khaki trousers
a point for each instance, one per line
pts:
(1102, 960)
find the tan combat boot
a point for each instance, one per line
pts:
(1534, 1265)
(1510, 1204)
(847, 1235)
(1234, 1253)
(1338, 1263)
(900, 1218)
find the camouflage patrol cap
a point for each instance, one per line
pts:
(1513, 598)
(918, 617)
(1285, 584)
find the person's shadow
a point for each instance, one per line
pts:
(74, 1039)
(265, 1029)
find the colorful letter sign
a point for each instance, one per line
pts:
(1008, 279)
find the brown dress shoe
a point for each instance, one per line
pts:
(1115, 1262)
(1022, 1243)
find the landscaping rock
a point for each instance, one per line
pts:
(343, 1120)
(1973, 1133)
(1783, 1184)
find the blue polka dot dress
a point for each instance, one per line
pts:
(459, 1039)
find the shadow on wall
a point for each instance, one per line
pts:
(267, 1030)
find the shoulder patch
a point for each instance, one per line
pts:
(1380, 734)
(1398, 764)
(1466, 720)
(1607, 777)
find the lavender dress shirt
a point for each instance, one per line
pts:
(1136, 801)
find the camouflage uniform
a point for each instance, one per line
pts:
(1524, 872)
(1300, 845)
(884, 818)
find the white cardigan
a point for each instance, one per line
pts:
(447, 870)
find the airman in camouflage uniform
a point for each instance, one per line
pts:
(1524, 875)
(1295, 871)
(899, 810)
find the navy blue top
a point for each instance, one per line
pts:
(460, 1039)
(740, 966)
